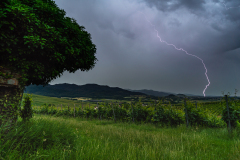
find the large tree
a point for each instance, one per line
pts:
(39, 42)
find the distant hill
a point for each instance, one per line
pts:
(152, 92)
(87, 90)
(160, 94)
(193, 95)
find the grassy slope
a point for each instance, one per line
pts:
(49, 137)
(39, 100)
(68, 138)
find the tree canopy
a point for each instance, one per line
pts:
(38, 41)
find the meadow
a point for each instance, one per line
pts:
(48, 136)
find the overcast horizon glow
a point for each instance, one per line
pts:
(130, 55)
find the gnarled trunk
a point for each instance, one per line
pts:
(10, 96)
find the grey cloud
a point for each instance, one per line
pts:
(174, 22)
(126, 33)
(105, 24)
(108, 24)
(131, 56)
(230, 9)
(171, 5)
(233, 14)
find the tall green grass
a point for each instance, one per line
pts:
(46, 137)
(38, 138)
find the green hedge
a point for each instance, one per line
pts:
(156, 114)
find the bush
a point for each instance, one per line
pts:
(27, 112)
(233, 114)
(215, 122)
(44, 109)
(174, 117)
(159, 116)
(52, 111)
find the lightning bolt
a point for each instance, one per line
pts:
(180, 49)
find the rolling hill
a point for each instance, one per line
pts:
(151, 92)
(87, 90)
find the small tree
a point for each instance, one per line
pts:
(38, 42)
(26, 112)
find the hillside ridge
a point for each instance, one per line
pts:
(87, 90)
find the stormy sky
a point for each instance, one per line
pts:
(132, 55)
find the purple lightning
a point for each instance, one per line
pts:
(183, 51)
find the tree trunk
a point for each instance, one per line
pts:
(10, 96)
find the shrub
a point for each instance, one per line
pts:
(44, 109)
(233, 114)
(27, 112)
(174, 117)
(159, 116)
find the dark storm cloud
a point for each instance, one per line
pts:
(130, 55)
(174, 22)
(171, 5)
(203, 9)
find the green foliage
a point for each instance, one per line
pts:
(26, 112)
(140, 113)
(9, 107)
(201, 116)
(27, 139)
(234, 111)
(174, 117)
(48, 137)
(157, 114)
(79, 112)
(6, 75)
(120, 112)
(52, 111)
(234, 116)
(40, 43)
(215, 122)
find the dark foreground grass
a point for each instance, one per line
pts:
(46, 137)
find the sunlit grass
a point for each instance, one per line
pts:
(39, 100)
(46, 137)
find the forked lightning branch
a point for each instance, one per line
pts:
(181, 49)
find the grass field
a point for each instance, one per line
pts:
(39, 100)
(46, 137)
(50, 137)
